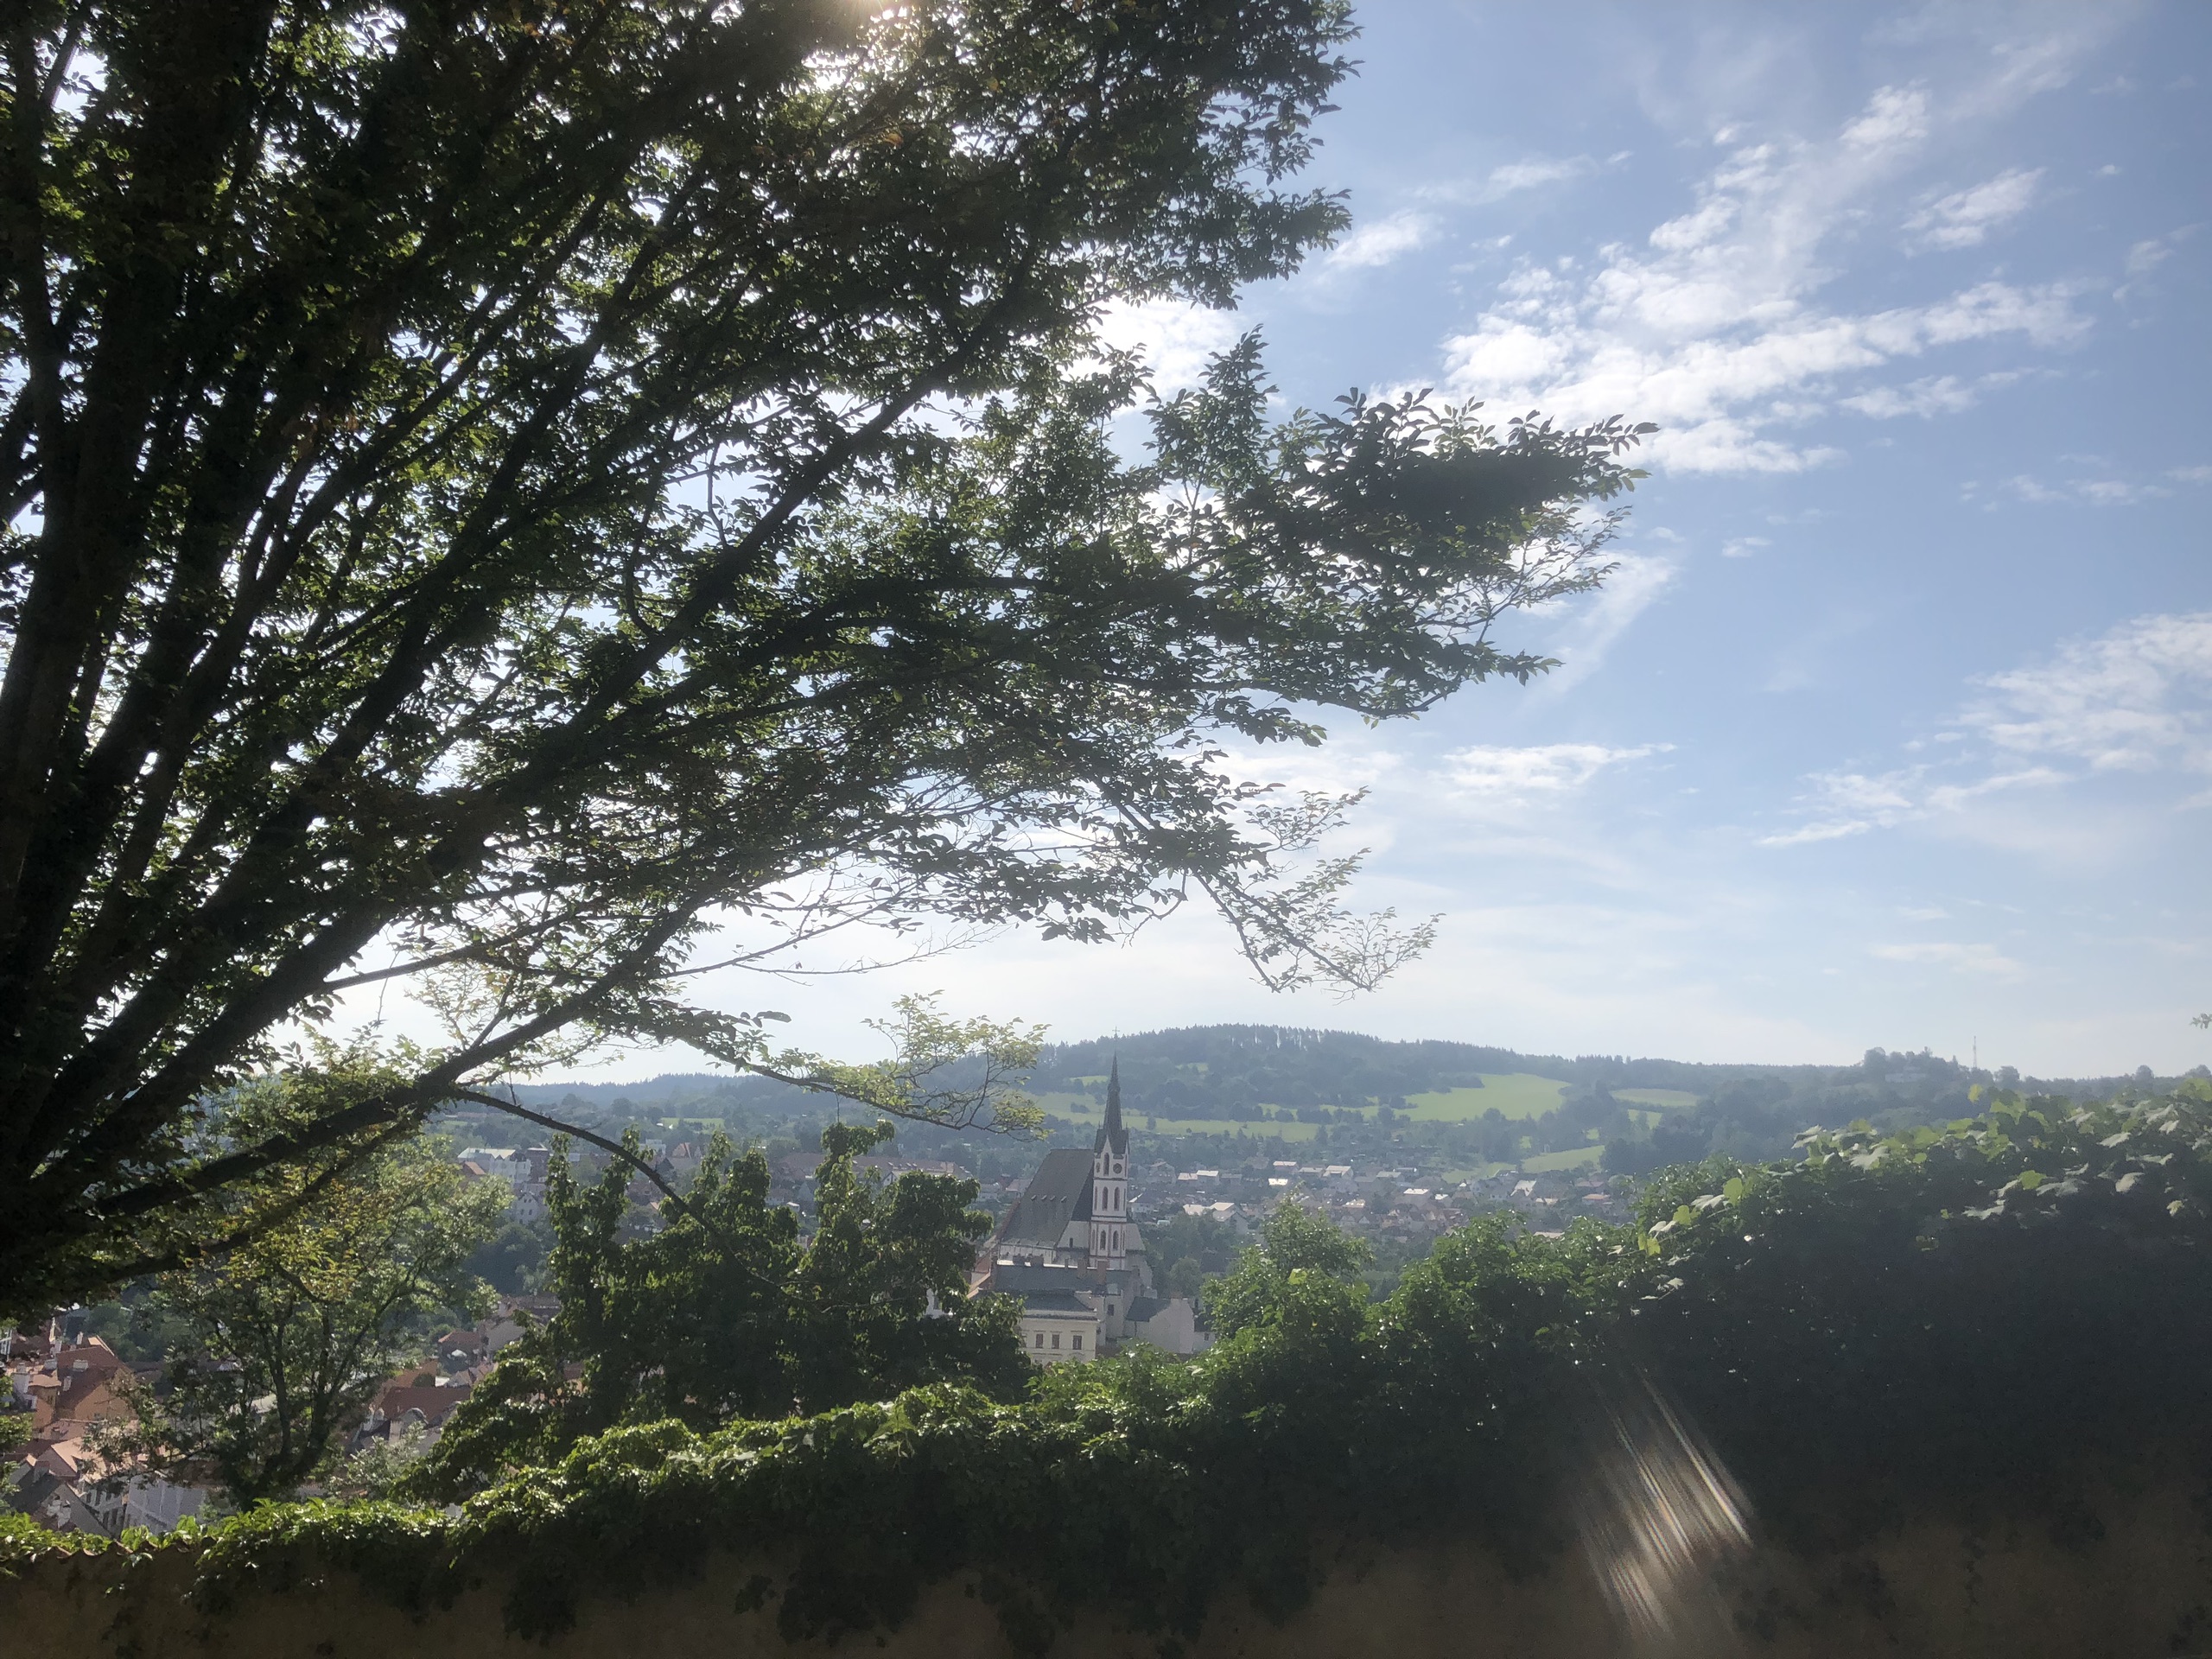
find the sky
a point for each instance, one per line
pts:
(1894, 726)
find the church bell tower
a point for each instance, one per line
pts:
(1110, 1183)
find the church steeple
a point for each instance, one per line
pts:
(1115, 1135)
(1109, 1176)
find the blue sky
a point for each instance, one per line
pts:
(1892, 728)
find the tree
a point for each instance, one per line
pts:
(513, 1260)
(728, 1313)
(495, 492)
(1301, 1277)
(292, 1334)
(1187, 1277)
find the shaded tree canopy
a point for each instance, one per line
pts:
(728, 1314)
(497, 493)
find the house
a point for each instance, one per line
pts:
(83, 1382)
(1170, 1325)
(1058, 1327)
(415, 1402)
(422, 1390)
(504, 1326)
(503, 1163)
(520, 1170)
(460, 1350)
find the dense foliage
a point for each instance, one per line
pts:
(1950, 1321)
(273, 1352)
(1995, 1300)
(495, 490)
(726, 1314)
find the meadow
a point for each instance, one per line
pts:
(1518, 1097)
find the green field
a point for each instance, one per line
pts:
(1672, 1100)
(1516, 1095)
(1082, 1109)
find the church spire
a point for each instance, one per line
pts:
(1111, 1135)
(1110, 1228)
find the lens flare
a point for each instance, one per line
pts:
(1659, 1514)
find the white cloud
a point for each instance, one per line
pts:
(1964, 219)
(1176, 338)
(2081, 492)
(1713, 328)
(1843, 803)
(1604, 619)
(1830, 829)
(1938, 395)
(1382, 241)
(1535, 173)
(1743, 547)
(2145, 256)
(1518, 774)
(1960, 958)
(2137, 698)
(1896, 117)
(1513, 177)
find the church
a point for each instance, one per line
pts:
(1069, 1250)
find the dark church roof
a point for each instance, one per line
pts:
(1037, 1279)
(1055, 1301)
(1026, 1278)
(1110, 1133)
(1059, 1193)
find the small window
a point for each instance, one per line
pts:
(1056, 1338)
(1110, 1310)
(1078, 1340)
(1040, 1339)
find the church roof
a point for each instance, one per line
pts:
(1035, 1278)
(1110, 1133)
(1020, 1278)
(1059, 1193)
(1056, 1301)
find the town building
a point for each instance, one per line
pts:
(1071, 1249)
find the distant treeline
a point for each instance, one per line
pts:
(1211, 1070)
(1229, 1072)
(1280, 1065)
